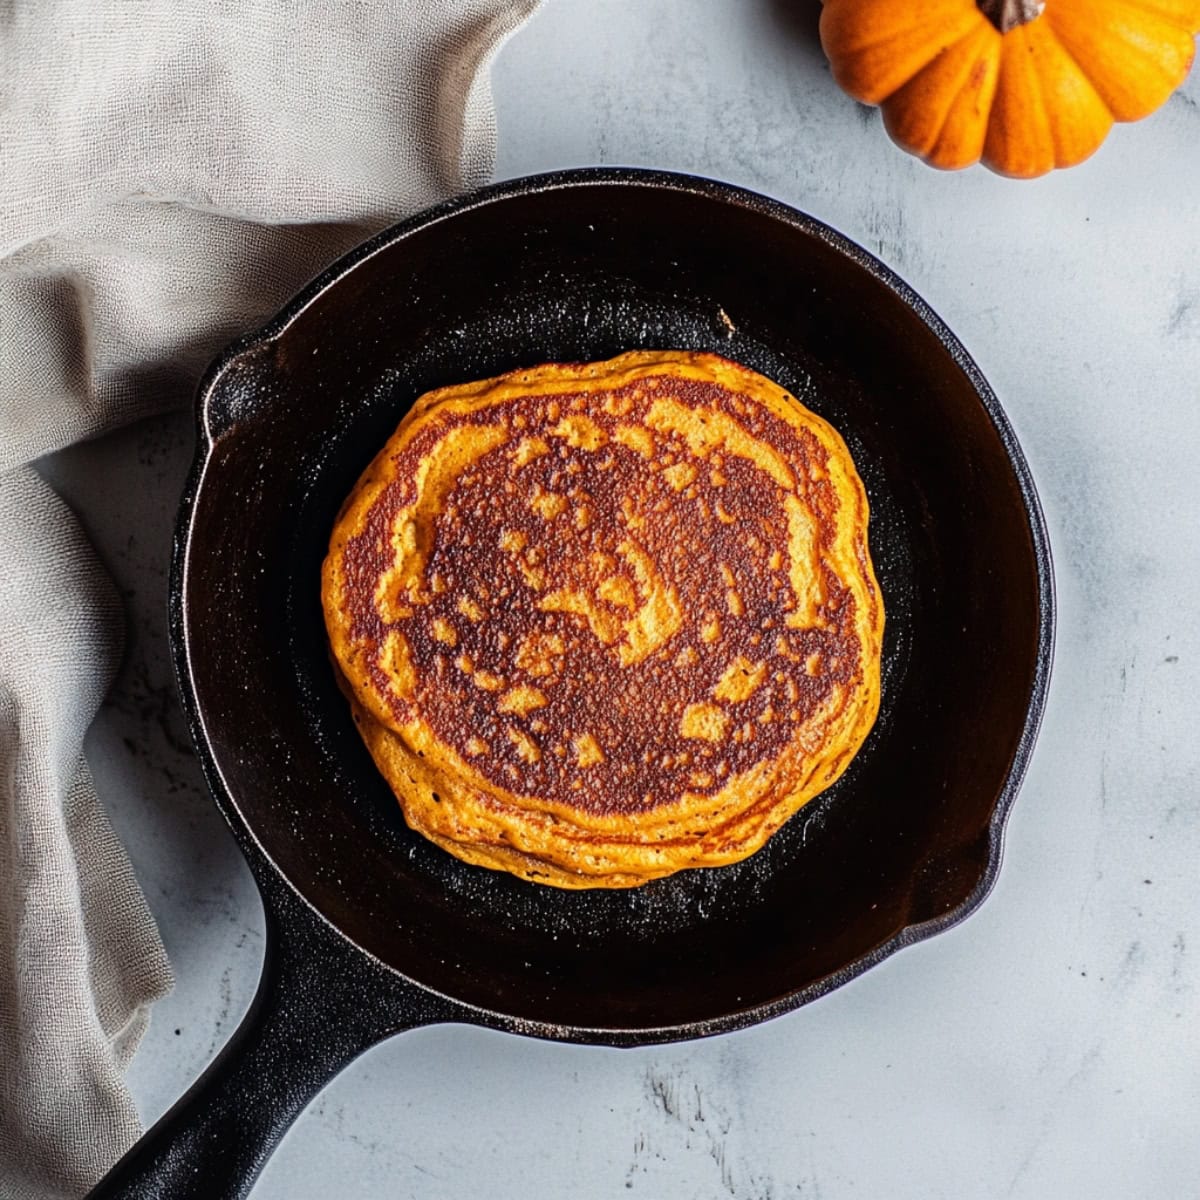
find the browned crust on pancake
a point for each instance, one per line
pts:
(600, 622)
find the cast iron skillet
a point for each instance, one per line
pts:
(372, 930)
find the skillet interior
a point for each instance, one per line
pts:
(582, 268)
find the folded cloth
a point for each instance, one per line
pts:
(172, 172)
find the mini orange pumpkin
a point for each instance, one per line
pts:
(1026, 85)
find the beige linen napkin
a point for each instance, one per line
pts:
(169, 173)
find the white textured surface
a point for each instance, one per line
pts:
(1046, 1047)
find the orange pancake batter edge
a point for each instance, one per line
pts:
(602, 622)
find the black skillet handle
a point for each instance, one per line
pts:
(319, 1005)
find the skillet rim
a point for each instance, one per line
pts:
(270, 876)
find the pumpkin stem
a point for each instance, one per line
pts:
(1008, 14)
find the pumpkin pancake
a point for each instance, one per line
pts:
(601, 622)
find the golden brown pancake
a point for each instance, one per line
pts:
(601, 622)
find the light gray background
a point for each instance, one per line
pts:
(1048, 1046)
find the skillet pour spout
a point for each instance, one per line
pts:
(373, 930)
